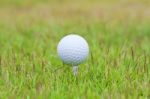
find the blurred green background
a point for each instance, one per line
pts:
(118, 33)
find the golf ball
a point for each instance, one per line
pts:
(73, 49)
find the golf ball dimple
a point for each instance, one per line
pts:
(73, 49)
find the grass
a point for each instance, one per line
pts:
(118, 34)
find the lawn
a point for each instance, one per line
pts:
(118, 33)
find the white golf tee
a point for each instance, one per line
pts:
(75, 70)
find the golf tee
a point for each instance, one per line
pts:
(75, 70)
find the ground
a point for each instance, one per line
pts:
(118, 34)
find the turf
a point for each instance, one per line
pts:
(118, 34)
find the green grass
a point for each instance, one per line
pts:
(118, 34)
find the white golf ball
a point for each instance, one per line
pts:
(73, 49)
